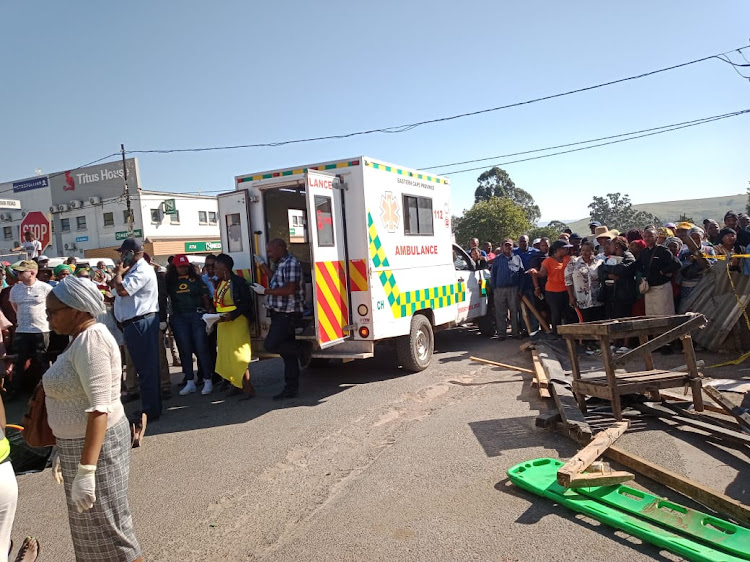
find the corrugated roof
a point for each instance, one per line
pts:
(713, 297)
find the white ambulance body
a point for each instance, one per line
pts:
(376, 249)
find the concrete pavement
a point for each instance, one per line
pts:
(368, 463)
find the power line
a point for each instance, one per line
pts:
(410, 126)
(709, 120)
(694, 121)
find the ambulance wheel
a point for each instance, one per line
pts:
(414, 351)
(486, 325)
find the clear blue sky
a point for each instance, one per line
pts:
(79, 78)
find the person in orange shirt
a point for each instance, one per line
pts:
(555, 292)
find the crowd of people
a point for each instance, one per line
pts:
(607, 274)
(98, 337)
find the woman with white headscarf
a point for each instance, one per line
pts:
(92, 433)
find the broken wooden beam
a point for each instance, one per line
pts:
(661, 340)
(540, 376)
(542, 322)
(586, 456)
(742, 417)
(547, 419)
(505, 365)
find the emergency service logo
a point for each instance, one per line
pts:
(389, 211)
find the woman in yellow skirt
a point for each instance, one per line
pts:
(232, 299)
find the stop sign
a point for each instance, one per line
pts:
(38, 224)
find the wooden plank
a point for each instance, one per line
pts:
(504, 365)
(525, 316)
(743, 418)
(718, 431)
(586, 456)
(542, 322)
(659, 341)
(674, 396)
(698, 492)
(540, 376)
(569, 412)
(600, 479)
(616, 328)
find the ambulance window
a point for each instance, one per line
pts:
(324, 220)
(460, 262)
(418, 216)
(234, 233)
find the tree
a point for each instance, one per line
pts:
(551, 231)
(684, 218)
(493, 219)
(497, 183)
(616, 211)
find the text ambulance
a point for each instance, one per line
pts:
(376, 249)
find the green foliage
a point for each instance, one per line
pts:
(497, 183)
(684, 218)
(551, 231)
(616, 211)
(492, 219)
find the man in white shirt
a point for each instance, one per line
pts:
(28, 298)
(31, 246)
(136, 309)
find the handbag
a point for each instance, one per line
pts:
(36, 430)
(643, 286)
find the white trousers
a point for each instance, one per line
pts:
(660, 301)
(8, 501)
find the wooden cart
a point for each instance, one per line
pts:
(610, 385)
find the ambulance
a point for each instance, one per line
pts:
(375, 244)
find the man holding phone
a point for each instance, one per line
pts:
(136, 309)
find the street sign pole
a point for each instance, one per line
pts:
(127, 191)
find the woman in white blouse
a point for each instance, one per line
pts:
(583, 285)
(92, 433)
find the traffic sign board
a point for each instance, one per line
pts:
(38, 224)
(122, 235)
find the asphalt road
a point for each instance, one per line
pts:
(368, 463)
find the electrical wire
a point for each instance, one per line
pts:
(410, 126)
(695, 121)
(658, 132)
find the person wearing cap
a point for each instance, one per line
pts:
(658, 265)
(731, 220)
(190, 300)
(42, 261)
(682, 229)
(728, 246)
(91, 430)
(576, 241)
(555, 292)
(526, 287)
(505, 280)
(32, 329)
(30, 245)
(136, 309)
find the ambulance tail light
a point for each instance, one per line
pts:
(364, 332)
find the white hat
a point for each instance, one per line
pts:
(42, 258)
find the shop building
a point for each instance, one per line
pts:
(88, 215)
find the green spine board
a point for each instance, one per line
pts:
(539, 476)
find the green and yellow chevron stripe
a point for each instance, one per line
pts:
(407, 303)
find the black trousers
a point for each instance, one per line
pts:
(557, 302)
(281, 340)
(29, 345)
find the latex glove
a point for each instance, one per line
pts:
(260, 260)
(83, 493)
(258, 288)
(163, 326)
(57, 470)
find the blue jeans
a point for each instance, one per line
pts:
(189, 331)
(142, 339)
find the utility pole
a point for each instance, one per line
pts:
(127, 191)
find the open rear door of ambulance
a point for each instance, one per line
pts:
(328, 249)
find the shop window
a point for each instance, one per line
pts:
(8, 232)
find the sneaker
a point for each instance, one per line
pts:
(208, 387)
(189, 388)
(623, 349)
